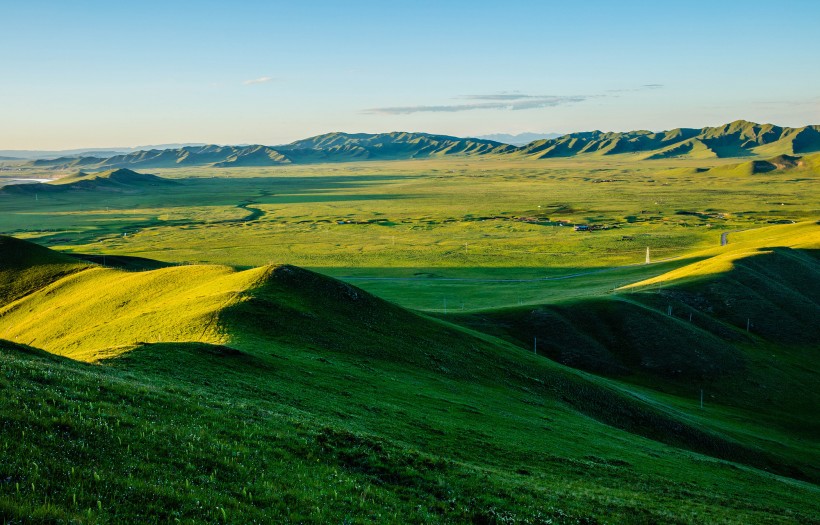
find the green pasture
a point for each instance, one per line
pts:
(155, 368)
(482, 218)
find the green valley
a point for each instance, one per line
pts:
(588, 329)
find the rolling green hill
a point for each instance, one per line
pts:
(781, 164)
(202, 393)
(117, 180)
(736, 139)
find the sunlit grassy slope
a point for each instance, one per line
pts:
(278, 394)
(741, 245)
(99, 308)
(83, 311)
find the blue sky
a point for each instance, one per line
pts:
(88, 73)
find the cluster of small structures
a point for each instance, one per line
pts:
(594, 227)
(352, 221)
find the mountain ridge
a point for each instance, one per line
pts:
(740, 139)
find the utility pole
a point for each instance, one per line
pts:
(535, 345)
(647, 255)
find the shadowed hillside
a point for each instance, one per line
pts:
(779, 165)
(26, 267)
(650, 331)
(741, 324)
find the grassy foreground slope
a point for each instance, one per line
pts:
(310, 400)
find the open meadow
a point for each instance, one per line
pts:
(485, 339)
(474, 232)
(518, 361)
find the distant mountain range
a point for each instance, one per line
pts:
(736, 139)
(331, 147)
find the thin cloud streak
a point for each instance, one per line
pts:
(500, 96)
(644, 87)
(520, 102)
(509, 101)
(260, 80)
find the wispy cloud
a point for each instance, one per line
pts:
(796, 102)
(505, 100)
(500, 96)
(643, 87)
(499, 101)
(260, 80)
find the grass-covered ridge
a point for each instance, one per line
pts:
(301, 398)
(736, 139)
(116, 180)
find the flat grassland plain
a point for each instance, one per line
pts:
(408, 230)
(530, 373)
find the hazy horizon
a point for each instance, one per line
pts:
(98, 75)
